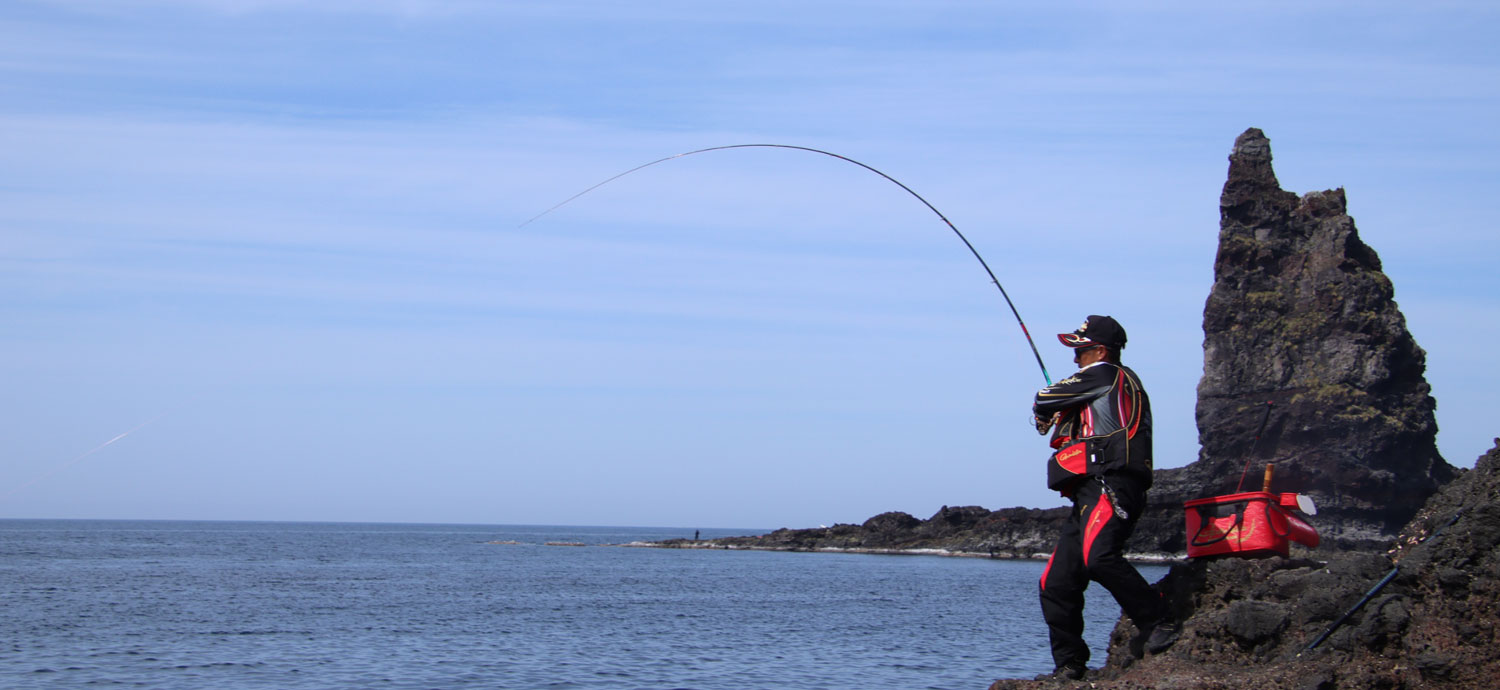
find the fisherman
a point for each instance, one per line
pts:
(1100, 419)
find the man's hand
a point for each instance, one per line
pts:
(1044, 424)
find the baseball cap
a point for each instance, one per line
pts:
(1096, 330)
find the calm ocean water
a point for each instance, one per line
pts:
(293, 605)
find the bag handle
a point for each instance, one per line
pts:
(1204, 522)
(1272, 522)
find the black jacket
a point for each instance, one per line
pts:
(1107, 416)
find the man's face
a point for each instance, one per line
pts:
(1085, 356)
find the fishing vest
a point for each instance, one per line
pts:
(1105, 426)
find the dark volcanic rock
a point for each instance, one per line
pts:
(1301, 333)
(966, 530)
(891, 522)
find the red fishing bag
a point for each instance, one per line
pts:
(1254, 523)
(1067, 467)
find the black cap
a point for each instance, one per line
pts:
(1096, 330)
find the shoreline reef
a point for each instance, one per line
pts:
(960, 532)
(855, 539)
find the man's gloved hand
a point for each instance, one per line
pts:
(1044, 424)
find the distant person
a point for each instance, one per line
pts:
(695, 535)
(1100, 419)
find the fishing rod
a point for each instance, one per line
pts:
(846, 159)
(1378, 586)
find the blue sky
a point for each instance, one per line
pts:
(276, 243)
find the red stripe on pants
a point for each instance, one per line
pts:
(1100, 516)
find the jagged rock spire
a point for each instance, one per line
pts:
(1301, 331)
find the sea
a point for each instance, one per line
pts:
(161, 604)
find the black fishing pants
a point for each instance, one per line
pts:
(1091, 547)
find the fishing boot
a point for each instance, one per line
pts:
(1066, 672)
(1162, 636)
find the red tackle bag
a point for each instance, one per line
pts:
(1250, 524)
(1068, 467)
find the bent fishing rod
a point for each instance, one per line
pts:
(908, 190)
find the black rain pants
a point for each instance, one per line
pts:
(1091, 547)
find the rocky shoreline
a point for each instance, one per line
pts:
(970, 531)
(961, 532)
(715, 545)
(964, 532)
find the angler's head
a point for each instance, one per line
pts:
(1099, 338)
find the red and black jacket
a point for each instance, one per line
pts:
(1105, 427)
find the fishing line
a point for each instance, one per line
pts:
(1251, 455)
(846, 159)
